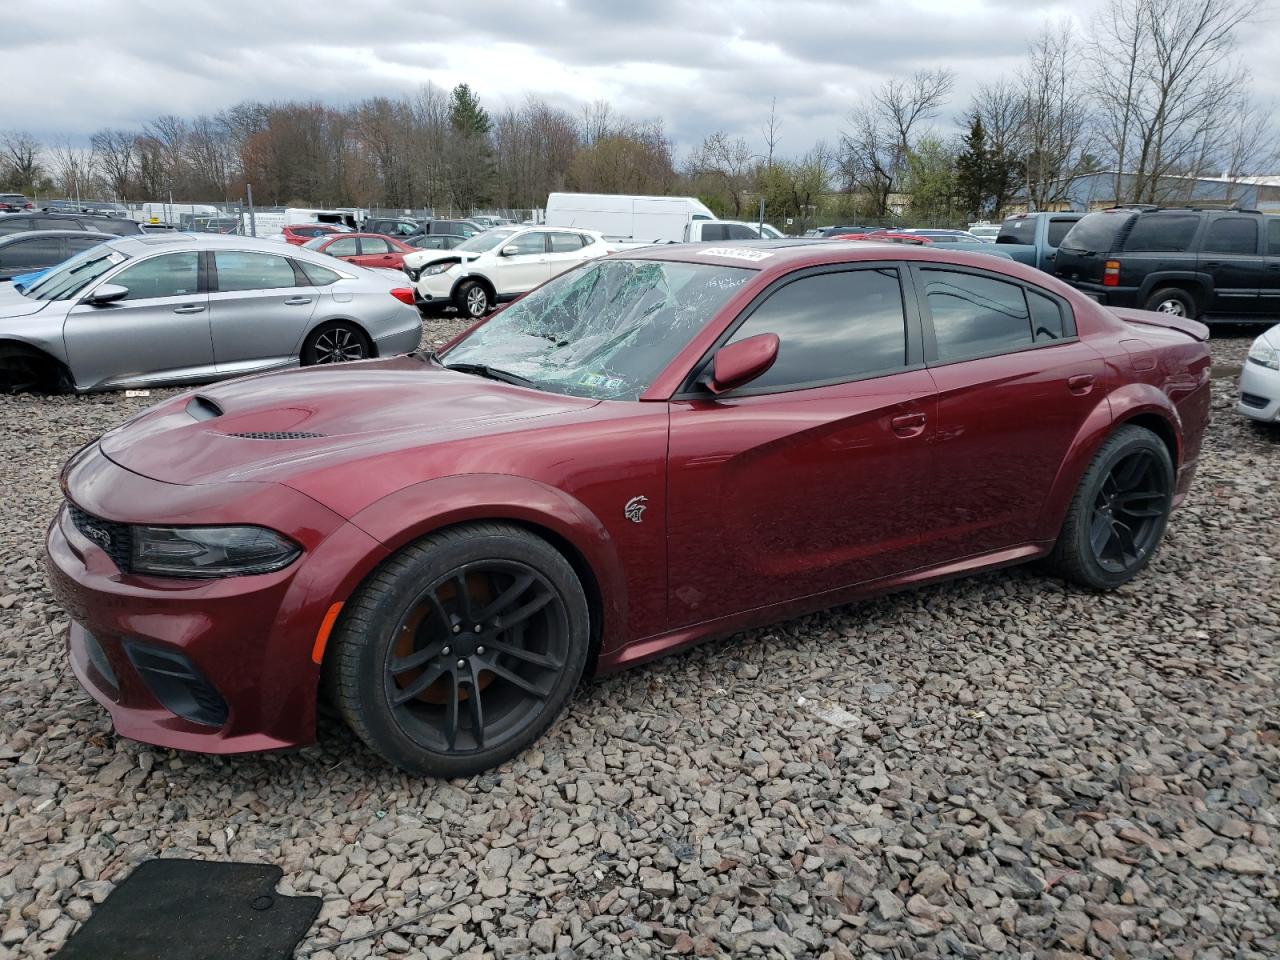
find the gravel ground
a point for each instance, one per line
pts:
(995, 766)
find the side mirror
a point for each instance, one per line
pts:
(739, 363)
(510, 251)
(107, 293)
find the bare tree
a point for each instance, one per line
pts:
(1162, 73)
(1002, 109)
(728, 162)
(20, 157)
(770, 132)
(75, 169)
(1055, 128)
(116, 151)
(875, 148)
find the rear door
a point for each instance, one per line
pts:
(814, 476)
(345, 248)
(259, 308)
(565, 251)
(161, 327)
(1014, 388)
(378, 252)
(1231, 255)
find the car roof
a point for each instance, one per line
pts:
(145, 244)
(77, 234)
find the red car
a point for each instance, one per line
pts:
(365, 249)
(300, 233)
(654, 448)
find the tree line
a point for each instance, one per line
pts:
(1151, 91)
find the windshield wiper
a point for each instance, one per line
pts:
(492, 373)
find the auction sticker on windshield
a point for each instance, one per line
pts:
(737, 253)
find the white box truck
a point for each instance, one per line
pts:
(621, 217)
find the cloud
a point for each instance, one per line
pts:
(74, 66)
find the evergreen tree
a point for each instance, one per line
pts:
(465, 113)
(974, 170)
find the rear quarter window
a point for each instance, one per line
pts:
(1162, 234)
(1017, 230)
(1099, 232)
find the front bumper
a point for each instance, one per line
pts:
(1259, 392)
(436, 288)
(216, 666)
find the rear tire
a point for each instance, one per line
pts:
(461, 650)
(1173, 301)
(336, 342)
(1119, 513)
(473, 300)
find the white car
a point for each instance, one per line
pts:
(1260, 379)
(498, 265)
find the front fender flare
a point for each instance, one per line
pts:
(416, 511)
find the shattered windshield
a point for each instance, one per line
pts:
(603, 331)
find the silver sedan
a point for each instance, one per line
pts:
(149, 310)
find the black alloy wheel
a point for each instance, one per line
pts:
(480, 651)
(1119, 512)
(460, 650)
(1128, 512)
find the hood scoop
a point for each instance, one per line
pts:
(202, 408)
(277, 435)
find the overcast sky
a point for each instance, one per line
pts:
(74, 66)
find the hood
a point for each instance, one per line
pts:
(14, 304)
(423, 258)
(273, 426)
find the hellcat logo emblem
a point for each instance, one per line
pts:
(634, 509)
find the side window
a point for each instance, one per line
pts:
(1046, 318)
(121, 228)
(1273, 236)
(739, 231)
(76, 244)
(565, 242)
(252, 271)
(345, 247)
(57, 223)
(974, 315)
(318, 275)
(14, 224)
(170, 275)
(1162, 234)
(528, 243)
(1057, 230)
(714, 232)
(1237, 235)
(832, 327)
(370, 245)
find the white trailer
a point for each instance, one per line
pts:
(618, 216)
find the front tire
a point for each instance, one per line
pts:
(1173, 301)
(473, 299)
(1118, 515)
(461, 650)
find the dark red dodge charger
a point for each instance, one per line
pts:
(652, 449)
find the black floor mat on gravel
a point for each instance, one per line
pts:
(195, 910)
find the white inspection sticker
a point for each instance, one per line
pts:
(737, 253)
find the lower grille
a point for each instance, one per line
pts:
(115, 539)
(178, 685)
(1253, 400)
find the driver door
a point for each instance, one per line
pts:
(814, 476)
(159, 330)
(525, 267)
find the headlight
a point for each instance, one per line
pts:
(209, 551)
(435, 268)
(1264, 354)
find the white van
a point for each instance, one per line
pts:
(643, 219)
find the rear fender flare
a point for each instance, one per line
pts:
(1193, 283)
(1123, 404)
(409, 514)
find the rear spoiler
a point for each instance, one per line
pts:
(1192, 328)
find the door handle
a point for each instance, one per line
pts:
(189, 308)
(1213, 263)
(908, 424)
(1081, 384)
(388, 256)
(295, 301)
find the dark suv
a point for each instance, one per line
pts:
(393, 226)
(21, 222)
(1212, 264)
